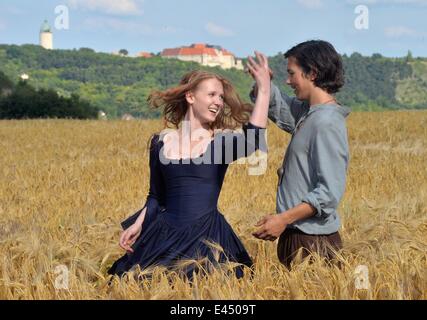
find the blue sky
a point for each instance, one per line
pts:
(241, 26)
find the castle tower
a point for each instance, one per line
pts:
(46, 37)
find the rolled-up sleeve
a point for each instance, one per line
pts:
(328, 158)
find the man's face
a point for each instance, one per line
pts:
(300, 82)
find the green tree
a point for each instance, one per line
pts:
(26, 102)
(123, 52)
(409, 57)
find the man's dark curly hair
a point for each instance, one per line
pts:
(321, 58)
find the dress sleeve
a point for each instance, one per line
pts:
(236, 145)
(156, 195)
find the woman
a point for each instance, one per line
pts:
(187, 167)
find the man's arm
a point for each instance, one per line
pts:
(329, 157)
(283, 110)
(271, 227)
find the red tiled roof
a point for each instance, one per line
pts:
(227, 53)
(199, 45)
(144, 54)
(195, 49)
(170, 52)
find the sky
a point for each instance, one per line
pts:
(388, 27)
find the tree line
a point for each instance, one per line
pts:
(22, 101)
(118, 85)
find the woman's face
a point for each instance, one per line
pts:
(207, 100)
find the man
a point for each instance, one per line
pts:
(313, 175)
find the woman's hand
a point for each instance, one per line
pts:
(260, 70)
(129, 236)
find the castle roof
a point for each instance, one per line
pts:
(144, 54)
(45, 27)
(196, 49)
(227, 53)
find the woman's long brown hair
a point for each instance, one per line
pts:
(234, 113)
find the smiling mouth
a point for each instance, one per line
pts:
(214, 110)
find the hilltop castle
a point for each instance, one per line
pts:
(46, 37)
(207, 55)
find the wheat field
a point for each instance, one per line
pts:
(65, 186)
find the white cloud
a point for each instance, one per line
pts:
(168, 29)
(373, 2)
(11, 10)
(126, 27)
(109, 24)
(116, 7)
(399, 31)
(311, 4)
(217, 30)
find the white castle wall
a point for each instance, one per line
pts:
(225, 62)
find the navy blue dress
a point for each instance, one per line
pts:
(182, 215)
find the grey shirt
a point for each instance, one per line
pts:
(315, 165)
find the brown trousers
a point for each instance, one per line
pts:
(292, 241)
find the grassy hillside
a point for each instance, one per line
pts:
(412, 91)
(121, 85)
